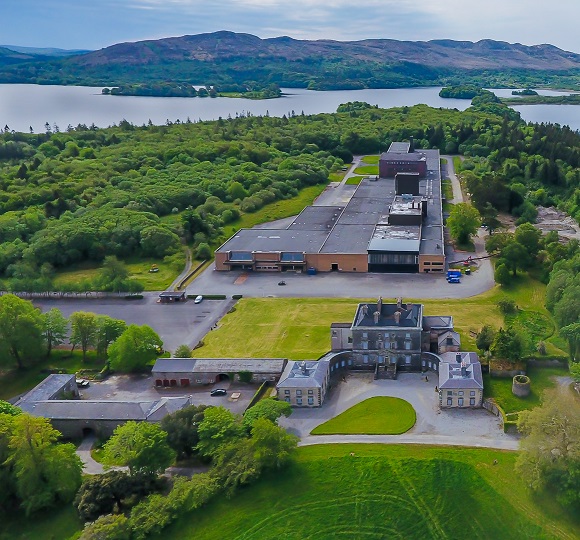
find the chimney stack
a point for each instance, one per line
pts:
(464, 370)
(376, 316)
(411, 144)
(303, 368)
(380, 304)
(399, 302)
(458, 358)
(365, 310)
(397, 317)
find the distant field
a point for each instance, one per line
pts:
(299, 328)
(169, 269)
(367, 169)
(374, 416)
(383, 491)
(371, 160)
(354, 180)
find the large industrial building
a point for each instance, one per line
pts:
(392, 223)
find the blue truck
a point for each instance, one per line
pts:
(453, 276)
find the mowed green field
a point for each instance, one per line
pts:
(383, 491)
(374, 416)
(299, 328)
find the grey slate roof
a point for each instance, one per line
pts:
(442, 338)
(48, 388)
(219, 365)
(304, 374)
(451, 376)
(104, 410)
(437, 321)
(411, 315)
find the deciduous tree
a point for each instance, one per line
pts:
(55, 329)
(136, 347)
(271, 409)
(141, 446)
(463, 222)
(182, 429)
(219, 426)
(84, 330)
(44, 471)
(21, 326)
(108, 330)
(550, 449)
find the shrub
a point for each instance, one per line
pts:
(507, 306)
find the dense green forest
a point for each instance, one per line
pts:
(167, 89)
(85, 193)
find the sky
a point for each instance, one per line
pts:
(94, 24)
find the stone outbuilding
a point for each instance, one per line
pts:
(169, 372)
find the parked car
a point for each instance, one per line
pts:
(198, 299)
(218, 392)
(281, 283)
(82, 383)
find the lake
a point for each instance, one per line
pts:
(27, 105)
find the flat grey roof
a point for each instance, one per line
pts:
(317, 218)
(398, 156)
(48, 388)
(396, 238)
(399, 147)
(275, 240)
(218, 365)
(407, 206)
(304, 374)
(348, 230)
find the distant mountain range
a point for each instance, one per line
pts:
(44, 51)
(227, 58)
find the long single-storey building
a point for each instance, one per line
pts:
(170, 372)
(392, 223)
(57, 399)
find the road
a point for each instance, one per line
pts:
(450, 170)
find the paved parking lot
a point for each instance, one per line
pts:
(179, 323)
(141, 388)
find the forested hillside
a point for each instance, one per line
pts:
(236, 62)
(85, 193)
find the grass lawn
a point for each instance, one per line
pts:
(383, 491)
(367, 169)
(371, 160)
(276, 210)
(169, 269)
(299, 328)
(374, 416)
(14, 382)
(55, 524)
(354, 180)
(501, 389)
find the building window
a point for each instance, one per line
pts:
(310, 401)
(449, 341)
(408, 345)
(310, 392)
(365, 345)
(287, 399)
(460, 392)
(407, 359)
(365, 335)
(449, 392)
(334, 332)
(408, 335)
(365, 358)
(472, 393)
(460, 401)
(287, 392)
(349, 339)
(299, 401)
(298, 392)
(472, 402)
(449, 402)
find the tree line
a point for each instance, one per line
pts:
(27, 335)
